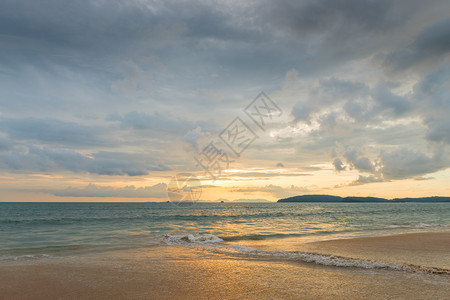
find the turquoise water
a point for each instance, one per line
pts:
(35, 230)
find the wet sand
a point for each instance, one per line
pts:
(176, 272)
(420, 249)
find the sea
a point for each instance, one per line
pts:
(39, 231)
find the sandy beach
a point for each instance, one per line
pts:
(178, 272)
(417, 249)
(420, 249)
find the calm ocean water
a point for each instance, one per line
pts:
(39, 230)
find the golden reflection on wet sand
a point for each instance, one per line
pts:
(178, 272)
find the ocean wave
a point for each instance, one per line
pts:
(34, 253)
(167, 216)
(215, 244)
(258, 237)
(51, 248)
(205, 238)
(193, 238)
(325, 259)
(418, 225)
(26, 257)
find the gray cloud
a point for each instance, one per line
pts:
(439, 130)
(52, 131)
(364, 164)
(266, 174)
(45, 159)
(5, 144)
(389, 102)
(366, 179)
(331, 89)
(355, 159)
(309, 17)
(429, 46)
(341, 31)
(155, 191)
(338, 165)
(406, 163)
(432, 94)
(154, 122)
(156, 68)
(357, 100)
(193, 136)
(402, 163)
(377, 104)
(83, 25)
(190, 40)
(275, 190)
(300, 111)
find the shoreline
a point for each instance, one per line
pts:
(426, 249)
(169, 272)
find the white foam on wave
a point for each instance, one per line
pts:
(213, 243)
(26, 257)
(419, 225)
(193, 238)
(324, 259)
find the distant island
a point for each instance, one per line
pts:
(329, 198)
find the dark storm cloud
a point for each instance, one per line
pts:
(433, 85)
(432, 94)
(429, 46)
(389, 102)
(439, 130)
(264, 38)
(78, 25)
(329, 33)
(89, 32)
(257, 37)
(312, 16)
(60, 60)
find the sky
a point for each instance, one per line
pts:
(109, 100)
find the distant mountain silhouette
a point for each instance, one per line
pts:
(329, 198)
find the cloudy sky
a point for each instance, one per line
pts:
(107, 100)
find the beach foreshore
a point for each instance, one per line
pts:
(179, 272)
(429, 249)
